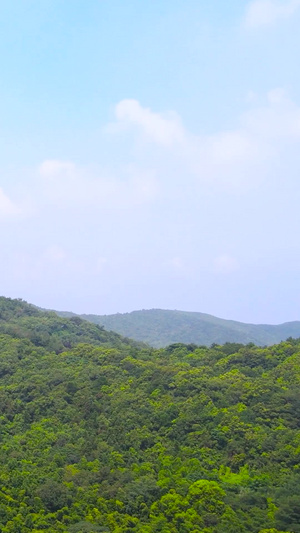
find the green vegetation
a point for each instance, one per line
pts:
(160, 328)
(46, 329)
(98, 434)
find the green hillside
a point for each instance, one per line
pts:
(159, 328)
(107, 436)
(48, 330)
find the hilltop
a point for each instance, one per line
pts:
(159, 328)
(52, 332)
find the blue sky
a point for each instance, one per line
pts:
(150, 156)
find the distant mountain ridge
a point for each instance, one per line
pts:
(159, 328)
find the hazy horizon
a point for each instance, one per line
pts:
(150, 156)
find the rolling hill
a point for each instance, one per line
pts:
(99, 434)
(160, 328)
(46, 329)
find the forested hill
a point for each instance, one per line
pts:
(107, 436)
(46, 329)
(160, 328)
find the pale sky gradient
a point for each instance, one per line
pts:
(150, 156)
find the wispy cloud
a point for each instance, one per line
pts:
(225, 264)
(177, 266)
(195, 180)
(52, 168)
(7, 207)
(161, 129)
(54, 254)
(65, 184)
(261, 13)
(228, 157)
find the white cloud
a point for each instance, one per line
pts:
(66, 185)
(238, 159)
(165, 130)
(250, 97)
(100, 264)
(177, 265)
(7, 207)
(277, 96)
(261, 13)
(225, 264)
(54, 254)
(229, 146)
(36, 266)
(229, 156)
(53, 168)
(233, 157)
(274, 122)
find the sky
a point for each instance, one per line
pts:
(150, 156)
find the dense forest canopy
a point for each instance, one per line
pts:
(100, 434)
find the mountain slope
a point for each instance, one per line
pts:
(105, 437)
(48, 330)
(159, 328)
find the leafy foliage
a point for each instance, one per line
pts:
(107, 436)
